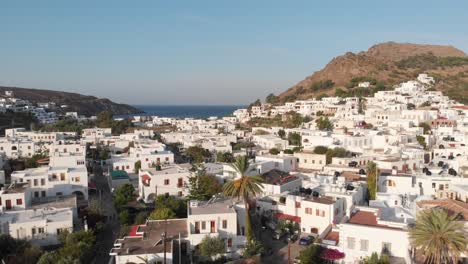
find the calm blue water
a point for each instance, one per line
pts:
(183, 111)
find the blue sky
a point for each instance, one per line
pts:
(203, 52)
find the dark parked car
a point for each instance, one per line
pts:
(305, 241)
(353, 164)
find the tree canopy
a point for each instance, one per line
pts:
(202, 186)
(23, 251)
(311, 255)
(295, 139)
(177, 206)
(162, 213)
(123, 194)
(323, 123)
(197, 154)
(76, 247)
(212, 246)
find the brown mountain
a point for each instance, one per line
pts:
(385, 65)
(83, 104)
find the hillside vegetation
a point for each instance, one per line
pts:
(83, 104)
(383, 66)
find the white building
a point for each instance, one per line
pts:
(170, 179)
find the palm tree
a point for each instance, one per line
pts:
(244, 188)
(439, 237)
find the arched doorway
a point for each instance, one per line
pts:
(79, 195)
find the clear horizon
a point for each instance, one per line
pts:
(202, 53)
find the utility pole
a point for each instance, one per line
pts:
(180, 250)
(289, 252)
(164, 239)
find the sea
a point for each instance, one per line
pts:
(184, 111)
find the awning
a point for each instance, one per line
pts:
(43, 160)
(281, 216)
(92, 185)
(133, 231)
(145, 178)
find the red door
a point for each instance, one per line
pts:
(8, 204)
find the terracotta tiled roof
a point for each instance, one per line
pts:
(293, 218)
(452, 206)
(333, 236)
(367, 218)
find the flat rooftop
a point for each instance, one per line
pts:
(221, 206)
(47, 214)
(152, 242)
(321, 200)
(170, 169)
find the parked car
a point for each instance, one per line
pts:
(353, 164)
(307, 240)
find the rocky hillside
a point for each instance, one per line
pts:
(385, 65)
(83, 104)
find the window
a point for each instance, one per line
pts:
(317, 212)
(166, 182)
(40, 230)
(33, 231)
(364, 245)
(35, 182)
(386, 248)
(298, 205)
(229, 243)
(323, 213)
(180, 182)
(77, 179)
(308, 211)
(36, 194)
(203, 225)
(42, 182)
(433, 185)
(350, 242)
(19, 201)
(43, 193)
(224, 224)
(62, 176)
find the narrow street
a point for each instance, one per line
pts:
(106, 239)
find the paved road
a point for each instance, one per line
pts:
(280, 249)
(106, 238)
